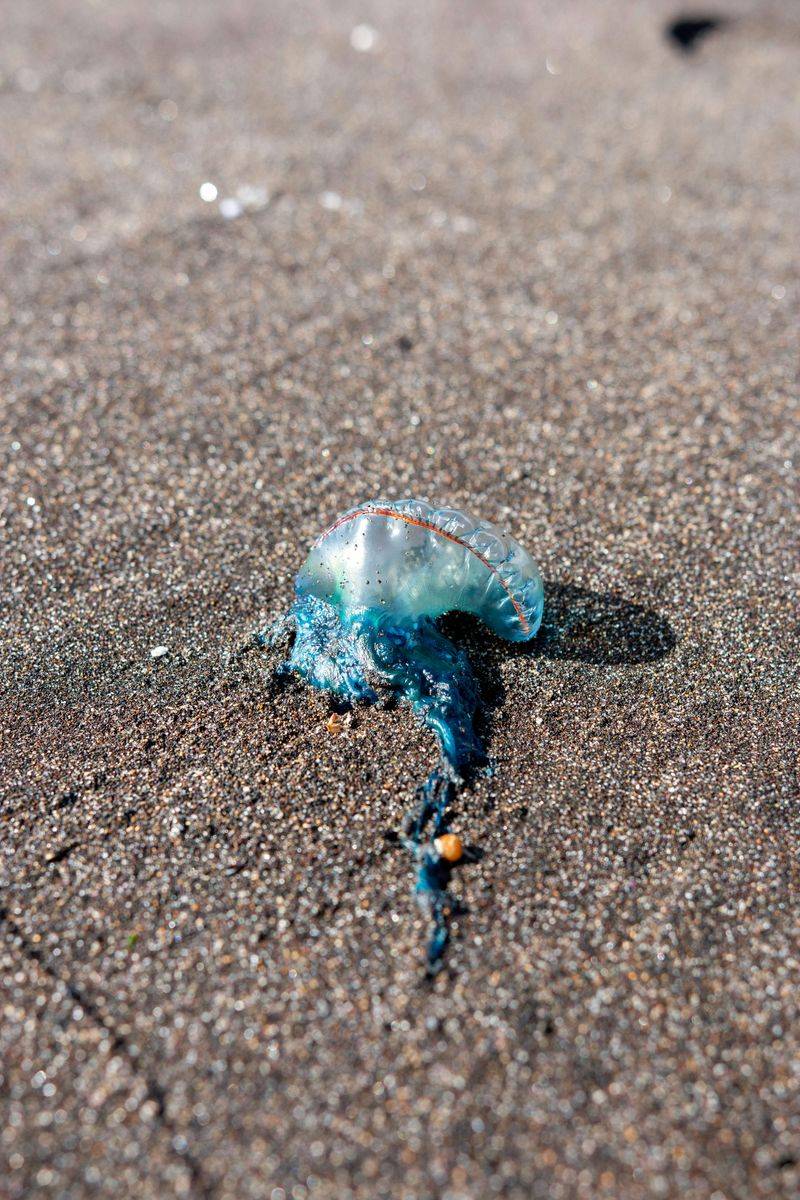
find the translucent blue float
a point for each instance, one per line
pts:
(364, 618)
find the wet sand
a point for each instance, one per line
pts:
(532, 259)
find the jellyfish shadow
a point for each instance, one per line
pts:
(579, 625)
(600, 628)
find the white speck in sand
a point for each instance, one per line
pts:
(252, 197)
(230, 208)
(363, 38)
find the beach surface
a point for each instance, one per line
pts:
(261, 262)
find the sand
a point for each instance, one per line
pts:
(533, 259)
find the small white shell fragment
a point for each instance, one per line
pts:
(363, 38)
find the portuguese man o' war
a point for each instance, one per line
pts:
(364, 618)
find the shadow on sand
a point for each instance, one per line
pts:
(579, 625)
(599, 628)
